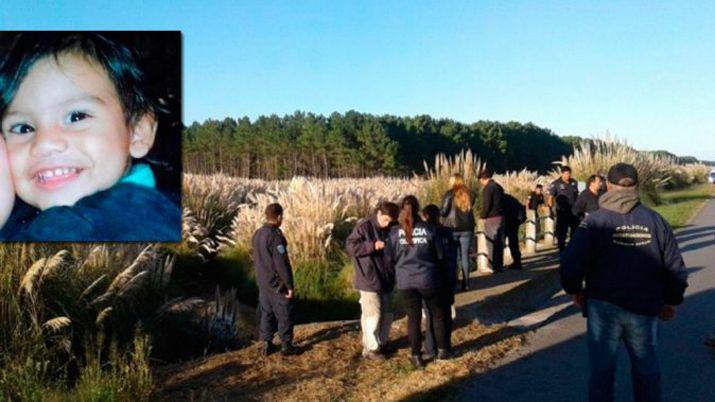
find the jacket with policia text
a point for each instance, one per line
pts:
(628, 256)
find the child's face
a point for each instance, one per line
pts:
(7, 194)
(66, 132)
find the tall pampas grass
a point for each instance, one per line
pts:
(596, 156)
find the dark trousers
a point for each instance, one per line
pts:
(447, 300)
(512, 234)
(565, 222)
(494, 231)
(276, 314)
(413, 304)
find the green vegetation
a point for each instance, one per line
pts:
(357, 145)
(679, 206)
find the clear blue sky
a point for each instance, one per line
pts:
(643, 70)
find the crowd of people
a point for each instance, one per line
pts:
(421, 252)
(622, 266)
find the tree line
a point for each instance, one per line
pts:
(358, 144)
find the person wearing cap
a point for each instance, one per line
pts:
(587, 201)
(274, 276)
(493, 214)
(562, 196)
(634, 274)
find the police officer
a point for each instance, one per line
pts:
(587, 201)
(634, 274)
(275, 282)
(416, 252)
(430, 215)
(562, 196)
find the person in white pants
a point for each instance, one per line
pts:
(374, 279)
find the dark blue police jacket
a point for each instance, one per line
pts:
(629, 258)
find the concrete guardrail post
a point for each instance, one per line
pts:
(530, 232)
(482, 250)
(548, 231)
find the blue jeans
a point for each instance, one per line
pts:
(608, 325)
(464, 243)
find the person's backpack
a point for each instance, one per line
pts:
(513, 209)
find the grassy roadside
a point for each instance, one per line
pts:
(679, 206)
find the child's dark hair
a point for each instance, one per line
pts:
(20, 51)
(409, 216)
(431, 212)
(389, 208)
(539, 186)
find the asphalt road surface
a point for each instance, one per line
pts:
(553, 366)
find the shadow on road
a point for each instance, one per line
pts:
(560, 372)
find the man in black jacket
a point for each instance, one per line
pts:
(373, 278)
(634, 273)
(587, 201)
(562, 196)
(493, 214)
(274, 276)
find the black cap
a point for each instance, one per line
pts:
(623, 174)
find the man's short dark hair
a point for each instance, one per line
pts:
(565, 168)
(20, 51)
(539, 186)
(592, 179)
(273, 211)
(389, 208)
(486, 174)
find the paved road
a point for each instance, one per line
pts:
(554, 366)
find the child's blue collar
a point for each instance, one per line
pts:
(140, 174)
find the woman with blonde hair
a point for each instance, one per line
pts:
(457, 211)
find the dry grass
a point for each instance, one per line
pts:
(332, 369)
(221, 211)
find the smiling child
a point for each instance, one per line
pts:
(77, 122)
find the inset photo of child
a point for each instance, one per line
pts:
(91, 136)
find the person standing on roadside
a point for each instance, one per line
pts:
(587, 201)
(373, 278)
(634, 274)
(457, 211)
(534, 201)
(514, 217)
(562, 196)
(493, 214)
